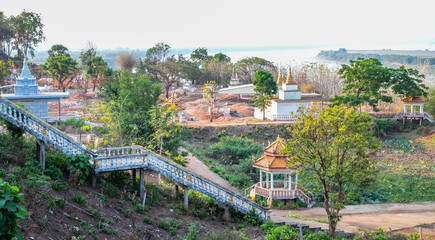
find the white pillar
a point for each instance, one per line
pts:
(271, 184)
(421, 108)
(296, 181)
(289, 182)
(404, 108)
(261, 178)
(412, 109)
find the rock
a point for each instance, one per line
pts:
(34, 225)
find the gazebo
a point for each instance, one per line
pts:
(276, 180)
(413, 109)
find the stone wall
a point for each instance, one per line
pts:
(38, 107)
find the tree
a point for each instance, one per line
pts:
(28, 32)
(126, 102)
(200, 55)
(85, 59)
(94, 66)
(367, 81)
(126, 61)
(6, 34)
(60, 66)
(333, 147)
(165, 133)
(264, 88)
(4, 72)
(247, 67)
(209, 93)
(429, 106)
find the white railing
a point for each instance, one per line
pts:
(278, 193)
(115, 159)
(425, 115)
(123, 158)
(40, 129)
(281, 117)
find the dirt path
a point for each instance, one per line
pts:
(197, 166)
(401, 217)
(235, 122)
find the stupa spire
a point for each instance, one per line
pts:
(280, 79)
(290, 80)
(25, 72)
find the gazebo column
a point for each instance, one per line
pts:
(404, 108)
(290, 181)
(296, 181)
(261, 178)
(267, 180)
(271, 184)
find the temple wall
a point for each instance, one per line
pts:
(38, 107)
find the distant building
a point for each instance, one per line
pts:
(234, 79)
(26, 93)
(289, 101)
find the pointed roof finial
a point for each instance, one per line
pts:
(289, 77)
(280, 78)
(25, 72)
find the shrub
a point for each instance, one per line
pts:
(126, 213)
(148, 220)
(382, 127)
(59, 185)
(109, 189)
(232, 149)
(171, 225)
(78, 123)
(61, 203)
(53, 172)
(10, 210)
(52, 204)
(140, 209)
(180, 209)
(81, 166)
(58, 160)
(78, 198)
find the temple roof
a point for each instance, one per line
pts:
(25, 73)
(273, 160)
(414, 100)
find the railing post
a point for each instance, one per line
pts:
(141, 183)
(186, 196)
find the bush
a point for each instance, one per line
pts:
(148, 220)
(140, 209)
(59, 185)
(58, 160)
(53, 172)
(78, 123)
(171, 225)
(78, 198)
(382, 127)
(10, 210)
(232, 149)
(81, 166)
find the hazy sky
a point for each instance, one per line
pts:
(140, 24)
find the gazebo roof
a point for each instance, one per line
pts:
(273, 160)
(173, 102)
(414, 100)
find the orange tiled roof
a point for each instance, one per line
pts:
(413, 100)
(273, 160)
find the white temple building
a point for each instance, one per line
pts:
(290, 100)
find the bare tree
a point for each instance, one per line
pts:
(126, 61)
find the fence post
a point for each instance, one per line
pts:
(40, 149)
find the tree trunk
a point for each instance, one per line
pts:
(211, 113)
(264, 114)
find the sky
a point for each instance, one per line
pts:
(326, 24)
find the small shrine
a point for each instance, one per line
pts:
(413, 109)
(173, 104)
(276, 180)
(234, 79)
(289, 100)
(26, 93)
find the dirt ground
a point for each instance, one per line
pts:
(397, 217)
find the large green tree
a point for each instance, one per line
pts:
(247, 67)
(333, 147)
(4, 72)
(60, 66)
(28, 31)
(6, 34)
(367, 81)
(265, 87)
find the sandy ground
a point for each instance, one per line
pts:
(197, 166)
(400, 217)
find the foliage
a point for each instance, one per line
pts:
(61, 66)
(78, 198)
(81, 166)
(429, 106)
(334, 146)
(126, 101)
(192, 234)
(171, 225)
(233, 149)
(367, 81)
(78, 123)
(383, 127)
(165, 133)
(209, 93)
(4, 72)
(148, 220)
(27, 31)
(247, 67)
(264, 88)
(10, 210)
